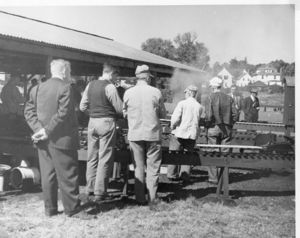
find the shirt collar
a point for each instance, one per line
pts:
(141, 82)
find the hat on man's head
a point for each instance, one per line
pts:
(142, 71)
(253, 90)
(215, 82)
(192, 88)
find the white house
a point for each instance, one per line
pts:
(226, 77)
(244, 79)
(267, 75)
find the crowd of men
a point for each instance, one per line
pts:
(50, 111)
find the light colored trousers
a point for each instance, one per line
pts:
(101, 143)
(218, 135)
(148, 152)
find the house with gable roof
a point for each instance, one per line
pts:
(267, 75)
(226, 76)
(244, 79)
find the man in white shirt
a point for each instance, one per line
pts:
(185, 125)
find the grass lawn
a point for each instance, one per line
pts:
(265, 208)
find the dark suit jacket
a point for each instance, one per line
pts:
(250, 111)
(51, 106)
(219, 109)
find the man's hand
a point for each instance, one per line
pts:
(39, 136)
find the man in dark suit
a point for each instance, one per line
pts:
(50, 113)
(251, 106)
(220, 115)
(237, 100)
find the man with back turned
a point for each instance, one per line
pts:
(50, 113)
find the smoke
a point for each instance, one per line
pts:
(181, 80)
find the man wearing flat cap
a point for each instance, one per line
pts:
(220, 115)
(185, 129)
(251, 106)
(143, 107)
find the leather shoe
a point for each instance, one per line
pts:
(144, 203)
(153, 204)
(80, 213)
(83, 215)
(51, 213)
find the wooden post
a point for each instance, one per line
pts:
(226, 181)
(220, 182)
(126, 176)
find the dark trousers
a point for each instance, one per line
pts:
(59, 168)
(180, 144)
(218, 135)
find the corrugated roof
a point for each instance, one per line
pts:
(28, 29)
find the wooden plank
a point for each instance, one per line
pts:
(232, 160)
(246, 147)
(274, 127)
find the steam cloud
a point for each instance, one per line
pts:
(182, 79)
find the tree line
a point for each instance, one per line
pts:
(186, 49)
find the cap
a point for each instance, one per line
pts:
(215, 82)
(142, 71)
(191, 88)
(253, 90)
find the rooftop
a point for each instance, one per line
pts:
(17, 27)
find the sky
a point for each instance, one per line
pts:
(261, 33)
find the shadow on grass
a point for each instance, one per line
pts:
(256, 174)
(248, 193)
(179, 190)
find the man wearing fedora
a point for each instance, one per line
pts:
(143, 107)
(220, 115)
(251, 106)
(185, 129)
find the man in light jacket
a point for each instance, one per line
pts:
(185, 125)
(143, 106)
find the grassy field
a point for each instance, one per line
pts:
(265, 208)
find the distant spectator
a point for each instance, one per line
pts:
(12, 98)
(237, 100)
(251, 106)
(33, 82)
